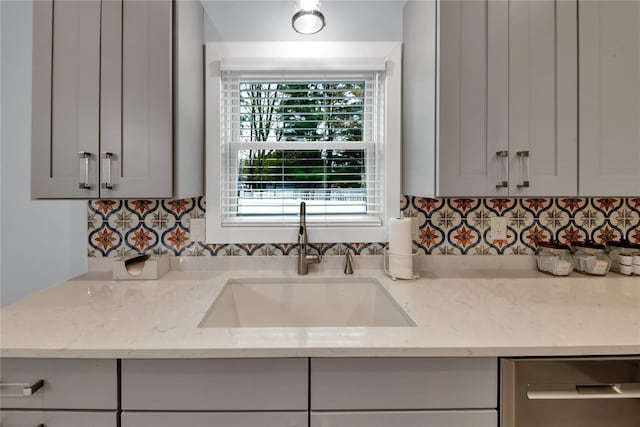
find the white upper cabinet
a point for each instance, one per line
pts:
(117, 99)
(419, 98)
(507, 120)
(467, 162)
(66, 99)
(609, 98)
(543, 93)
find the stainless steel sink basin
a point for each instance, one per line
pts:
(309, 302)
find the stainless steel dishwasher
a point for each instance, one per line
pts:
(570, 392)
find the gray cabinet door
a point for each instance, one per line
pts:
(58, 419)
(215, 385)
(543, 98)
(473, 97)
(68, 383)
(403, 383)
(508, 98)
(213, 419)
(136, 105)
(609, 98)
(419, 98)
(66, 99)
(469, 418)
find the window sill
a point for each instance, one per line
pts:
(263, 232)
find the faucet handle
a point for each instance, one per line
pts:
(348, 267)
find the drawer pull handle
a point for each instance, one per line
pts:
(105, 169)
(583, 391)
(85, 183)
(523, 157)
(26, 389)
(503, 169)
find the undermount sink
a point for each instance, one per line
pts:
(308, 302)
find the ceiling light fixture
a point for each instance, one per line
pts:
(308, 18)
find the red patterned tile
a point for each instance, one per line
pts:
(142, 206)
(572, 234)
(536, 235)
(464, 236)
(105, 206)
(500, 204)
(607, 234)
(429, 237)
(572, 204)
(606, 204)
(178, 238)
(105, 239)
(427, 204)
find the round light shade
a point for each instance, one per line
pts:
(308, 21)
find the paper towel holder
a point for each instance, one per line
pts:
(393, 276)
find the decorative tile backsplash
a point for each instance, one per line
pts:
(445, 226)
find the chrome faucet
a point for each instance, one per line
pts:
(303, 259)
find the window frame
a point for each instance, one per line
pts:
(336, 56)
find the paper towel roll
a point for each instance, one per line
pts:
(401, 266)
(400, 236)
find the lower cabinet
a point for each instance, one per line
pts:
(406, 392)
(214, 419)
(232, 385)
(268, 392)
(466, 418)
(379, 383)
(58, 419)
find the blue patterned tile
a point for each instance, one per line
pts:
(445, 226)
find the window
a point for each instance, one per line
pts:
(292, 137)
(282, 133)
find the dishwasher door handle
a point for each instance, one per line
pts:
(583, 391)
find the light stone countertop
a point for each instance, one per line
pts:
(463, 306)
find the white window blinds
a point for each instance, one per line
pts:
(292, 136)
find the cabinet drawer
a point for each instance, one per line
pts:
(474, 418)
(212, 419)
(403, 383)
(58, 419)
(68, 383)
(215, 384)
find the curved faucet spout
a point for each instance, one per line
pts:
(303, 258)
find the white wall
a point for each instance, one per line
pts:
(271, 21)
(42, 242)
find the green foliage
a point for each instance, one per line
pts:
(302, 111)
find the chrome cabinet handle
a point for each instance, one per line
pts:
(583, 391)
(105, 170)
(523, 158)
(26, 389)
(503, 169)
(84, 183)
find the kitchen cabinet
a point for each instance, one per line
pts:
(215, 385)
(404, 392)
(609, 98)
(470, 418)
(58, 419)
(418, 97)
(507, 105)
(213, 419)
(58, 392)
(215, 392)
(117, 99)
(67, 384)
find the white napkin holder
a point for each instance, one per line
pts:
(141, 267)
